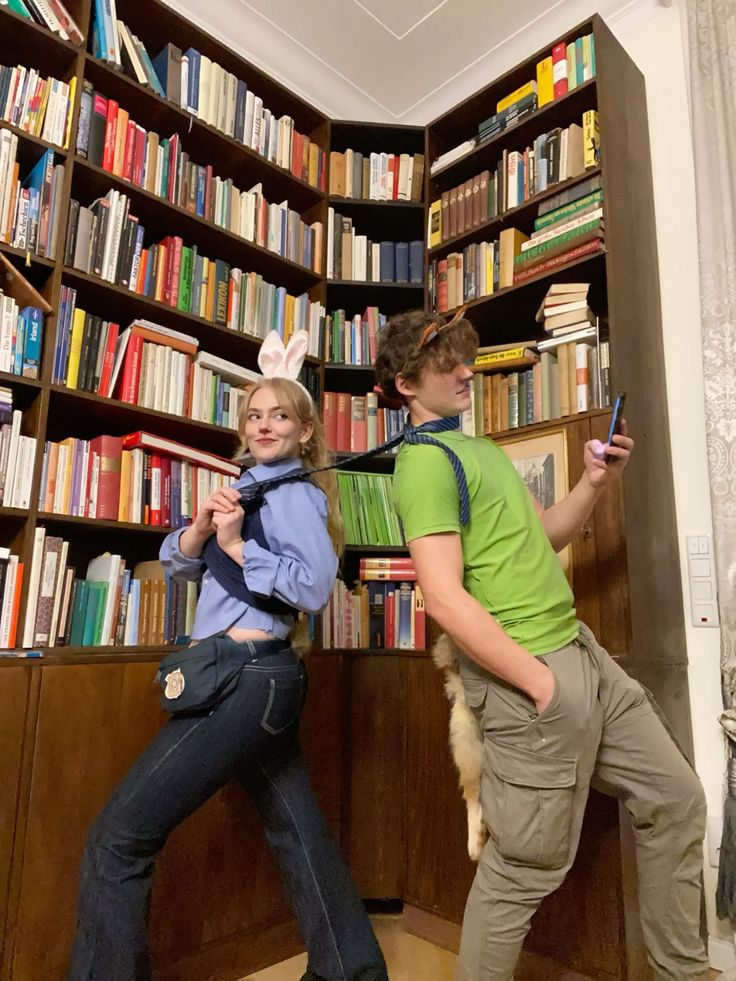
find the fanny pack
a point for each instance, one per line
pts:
(197, 678)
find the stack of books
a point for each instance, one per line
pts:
(30, 207)
(205, 89)
(376, 177)
(352, 341)
(569, 226)
(138, 478)
(355, 423)
(37, 105)
(49, 13)
(365, 502)
(384, 610)
(17, 455)
(110, 606)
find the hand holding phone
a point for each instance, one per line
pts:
(615, 427)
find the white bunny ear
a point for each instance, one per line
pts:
(271, 355)
(295, 353)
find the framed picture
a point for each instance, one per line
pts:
(541, 461)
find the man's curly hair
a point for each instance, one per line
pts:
(399, 353)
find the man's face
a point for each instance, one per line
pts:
(438, 393)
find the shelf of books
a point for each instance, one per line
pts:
(164, 204)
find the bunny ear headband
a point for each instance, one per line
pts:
(277, 361)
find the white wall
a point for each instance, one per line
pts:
(656, 47)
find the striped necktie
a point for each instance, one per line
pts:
(413, 435)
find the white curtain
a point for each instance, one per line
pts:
(711, 28)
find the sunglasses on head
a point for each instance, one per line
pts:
(433, 330)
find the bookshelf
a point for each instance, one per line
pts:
(83, 691)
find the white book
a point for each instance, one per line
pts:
(12, 457)
(24, 472)
(374, 187)
(383, 177)
(133, 54)
(215, 85)
(223, 110)
(250, 100)
(149, 367)
(163, 375)
(33, 583)
(8, 324)
(6, 611)
(205, 76)
(403, 193)
(58, 590)
(255, 141)
(137, 468)
(184, 80)
(93, 485)
(7, 158)
(62, 107)
(47, 133)
(130, 636)
(106, 568)
(231, 104)
(81, 505)
(549, 343)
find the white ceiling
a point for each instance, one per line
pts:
(395, 60)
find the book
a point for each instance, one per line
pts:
(150, 441)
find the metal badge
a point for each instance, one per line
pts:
(175, 684)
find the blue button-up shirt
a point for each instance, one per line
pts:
(299, 567)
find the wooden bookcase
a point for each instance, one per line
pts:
(71, 722)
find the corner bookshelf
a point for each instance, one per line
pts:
(630, 594)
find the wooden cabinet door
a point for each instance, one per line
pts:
(15, 689)
(377, 774)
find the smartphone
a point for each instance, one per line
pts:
(615, 428)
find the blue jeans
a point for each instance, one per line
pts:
(252, 736)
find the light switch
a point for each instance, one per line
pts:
(700, 567)
(702, 590)
(701, 577)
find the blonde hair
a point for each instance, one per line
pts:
(315, 453)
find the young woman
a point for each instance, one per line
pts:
(289, 563)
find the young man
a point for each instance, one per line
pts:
(557, 713)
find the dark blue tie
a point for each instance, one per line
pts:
(413, 435)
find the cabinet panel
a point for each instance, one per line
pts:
(15, 685)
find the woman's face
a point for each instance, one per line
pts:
(272, 431)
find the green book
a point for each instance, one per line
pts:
(17, 7)
(79, 613)
(567, 210)
(184, 298)
(539, 250)
(97, 595)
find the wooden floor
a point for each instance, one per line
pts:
(408, 958)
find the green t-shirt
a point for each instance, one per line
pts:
(510, 566)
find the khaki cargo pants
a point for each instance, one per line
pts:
(599, 728)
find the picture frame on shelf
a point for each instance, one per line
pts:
(541, 461)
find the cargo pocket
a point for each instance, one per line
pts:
(527, 800)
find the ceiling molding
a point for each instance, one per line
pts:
(273, 49)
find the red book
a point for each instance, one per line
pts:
(110, 451)
(131, 373)
(166, 491)
(108, 155)
(392, 181)
(342, 434)
(420, 621)
(168, 245)
(175, 266)
(139, 155)
(129, 150)
(173, 166)
(108, 359)
(587, 248)
(390, 636)
(559, 69)
(296, 154)
(67, 24)
(154, 509)
(386, 562)
(16, 604)
(169, 447)
(329, 418)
